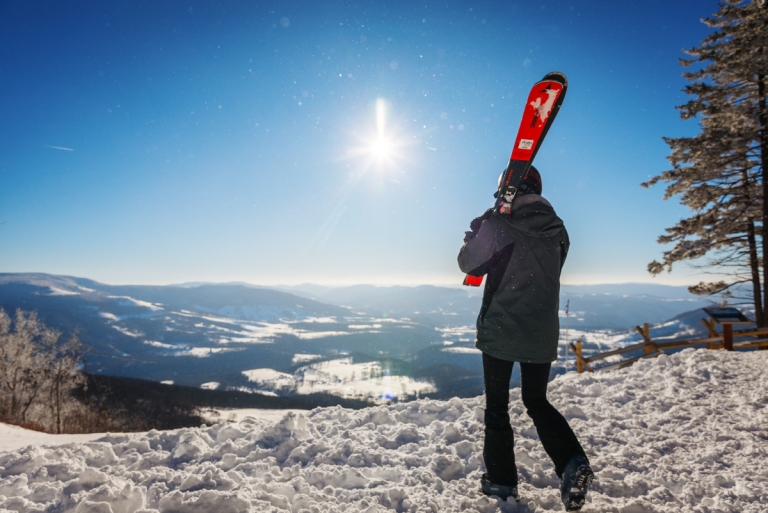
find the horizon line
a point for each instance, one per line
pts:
(334, 284)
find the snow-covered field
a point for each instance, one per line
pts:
(680, 433)
(369, 380)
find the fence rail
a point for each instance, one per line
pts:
(652, 348)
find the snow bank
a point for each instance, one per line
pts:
(680, 433)
(13, 438)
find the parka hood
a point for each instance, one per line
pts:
(534, 216)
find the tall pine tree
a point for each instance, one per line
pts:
(721, 173)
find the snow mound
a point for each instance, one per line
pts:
(679, 433)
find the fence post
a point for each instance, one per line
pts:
(645, 332)
(728, 336)
(579, 364)
(647, 337)
(710, 325)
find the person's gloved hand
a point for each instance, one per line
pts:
(476, 223)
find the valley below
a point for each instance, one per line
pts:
(359, 343)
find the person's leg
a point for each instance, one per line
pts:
(555, 434)
(499, 447)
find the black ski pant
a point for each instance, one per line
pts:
(555, 434)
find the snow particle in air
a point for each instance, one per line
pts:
(527, 63)
(461, 127)
(284, 21)
(393, 65)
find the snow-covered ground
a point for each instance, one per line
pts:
(680, 433)
(13, 438)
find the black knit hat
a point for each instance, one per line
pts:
(531, 182)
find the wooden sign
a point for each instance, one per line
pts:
(727, 315)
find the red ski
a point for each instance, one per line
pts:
(543, 104)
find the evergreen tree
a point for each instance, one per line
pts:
(720, 174)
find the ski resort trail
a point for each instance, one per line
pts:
(680, 433)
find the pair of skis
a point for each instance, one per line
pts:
(543, 104)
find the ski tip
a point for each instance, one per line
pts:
(556, 76)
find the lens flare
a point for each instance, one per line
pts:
(381, 115)
(383, 148)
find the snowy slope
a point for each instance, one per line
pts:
(13, 438)
(678, 433)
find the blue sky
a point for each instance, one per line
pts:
(164, 142)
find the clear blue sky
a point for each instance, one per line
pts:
(163, 142)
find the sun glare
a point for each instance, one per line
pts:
(383, 147)
(381, 115)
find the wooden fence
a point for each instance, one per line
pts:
(652, 349)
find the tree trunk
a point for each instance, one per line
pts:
(58, 406)
(754, 265)
(763, 120)
(29, 403)
(12, 386)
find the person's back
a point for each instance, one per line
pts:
(522, 254)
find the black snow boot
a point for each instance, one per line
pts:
(500, 491)
(499, 456)
(577, 477)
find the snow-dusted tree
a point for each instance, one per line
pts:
(38, 372)
(62, 376)
(22, 363)
(721, 172)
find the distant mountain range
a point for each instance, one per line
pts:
(592, 307)
(211, 334)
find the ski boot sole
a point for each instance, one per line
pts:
(578, 493)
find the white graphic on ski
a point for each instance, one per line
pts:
(543, 111)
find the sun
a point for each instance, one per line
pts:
(382, 147)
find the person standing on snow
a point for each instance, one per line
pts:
(522, 254)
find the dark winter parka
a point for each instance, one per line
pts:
(522, 254)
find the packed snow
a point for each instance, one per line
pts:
(679, 433)
(13, 438)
